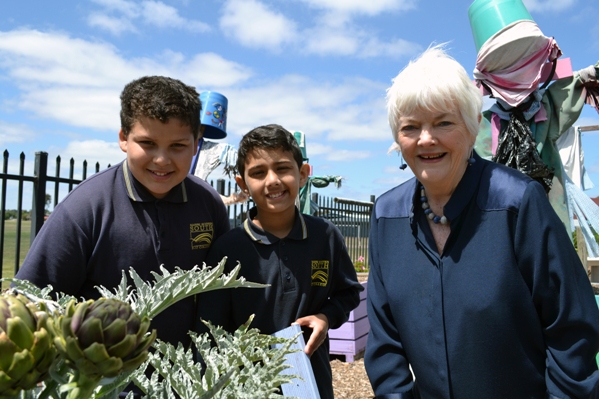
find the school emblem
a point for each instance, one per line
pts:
(320, 272)
(201, 235)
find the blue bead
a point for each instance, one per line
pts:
(423, 199)
(437, 219)
(427, 211)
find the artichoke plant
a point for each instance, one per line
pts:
(26, 348)
(100, 339)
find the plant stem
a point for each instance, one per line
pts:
(84, 387)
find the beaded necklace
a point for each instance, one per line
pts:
(428, 211)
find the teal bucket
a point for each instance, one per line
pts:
(487, 17)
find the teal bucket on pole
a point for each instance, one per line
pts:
(487, 17)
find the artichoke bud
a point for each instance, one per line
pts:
(26, 349)
(103, 338)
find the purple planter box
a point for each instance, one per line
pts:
(349, 340)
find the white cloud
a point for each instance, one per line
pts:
(164, 16)
(347, 40)
(79, 82)
(333, 32)
(331, 153)
(114, 25)
(128, 8)
(150, 12)
(371, 7)
(324, 40)
(14, 133)
(373, 47)
(76, 106)
(548, 5)
(104, 152)
(350, 110)
(252, 24)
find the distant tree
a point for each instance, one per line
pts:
(48, 202)
(10, 214)
(26, 215)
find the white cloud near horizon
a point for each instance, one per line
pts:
(104, 152)
(150, 12)
(14, 133)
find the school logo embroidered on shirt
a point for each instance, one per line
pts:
(201, 235)
(320, 272)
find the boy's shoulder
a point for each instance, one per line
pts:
(316, 223)
(199, 188)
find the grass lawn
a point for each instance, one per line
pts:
(10, 245)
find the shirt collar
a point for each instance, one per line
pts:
(138, 193)
(298, 231)
(464, 191)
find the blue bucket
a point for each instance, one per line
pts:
(214, 114)
(487, 17)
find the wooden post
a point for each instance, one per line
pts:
(581, 247)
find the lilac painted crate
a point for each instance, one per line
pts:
(349, 340)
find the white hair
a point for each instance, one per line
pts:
(437, 82)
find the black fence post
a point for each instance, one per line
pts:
(220, 186)
(38, 205)
(3, 210)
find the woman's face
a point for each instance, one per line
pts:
(436, 146)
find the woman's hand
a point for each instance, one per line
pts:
(320, 327)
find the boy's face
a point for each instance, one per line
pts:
(159, 154)
(273, 179)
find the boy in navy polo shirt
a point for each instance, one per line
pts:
(142, 213)
(304, 259)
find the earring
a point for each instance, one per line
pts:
(403, 165)
(471, 160)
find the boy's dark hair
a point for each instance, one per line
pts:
(161, 98)
(270, 137)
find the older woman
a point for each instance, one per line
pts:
(475, 290)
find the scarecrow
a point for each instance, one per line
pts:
(538, 99)
(210, 154)
(306, 205)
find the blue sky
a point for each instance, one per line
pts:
(319, 66)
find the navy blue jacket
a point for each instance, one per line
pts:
(506, 311)
(309, 272)
(110, 223)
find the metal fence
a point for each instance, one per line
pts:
(353, 220)
(351, 217)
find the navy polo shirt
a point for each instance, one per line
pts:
(110, 223)
(506, 311)
(309, 272)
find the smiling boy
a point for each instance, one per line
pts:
(312, 281)
(143, 212)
